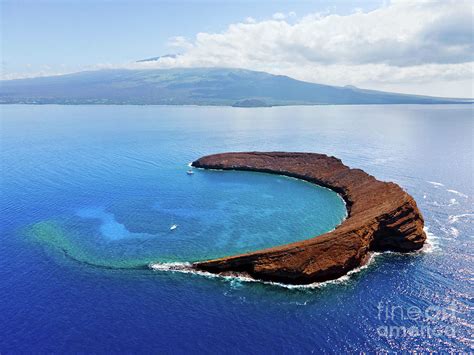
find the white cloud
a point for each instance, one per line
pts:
(179, 42)
(404, 42)
(279, 16)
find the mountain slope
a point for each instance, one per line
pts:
(202, 86)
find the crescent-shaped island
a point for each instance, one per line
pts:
(381, 217)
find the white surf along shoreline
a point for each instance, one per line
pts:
(431, 246)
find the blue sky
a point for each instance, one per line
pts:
(52, 37)
(83, 32)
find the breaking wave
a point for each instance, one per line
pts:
(455, 218)
(434, 183)
(457, 193)
(432, 242)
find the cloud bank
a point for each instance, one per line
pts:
(418, 46)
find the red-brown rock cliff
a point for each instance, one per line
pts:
(381, 216)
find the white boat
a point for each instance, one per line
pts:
(173, 227)
(190, 172)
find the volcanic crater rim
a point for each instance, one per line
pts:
(381, 216)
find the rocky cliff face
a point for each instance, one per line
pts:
(381, 216)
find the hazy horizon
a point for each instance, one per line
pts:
(230, 68)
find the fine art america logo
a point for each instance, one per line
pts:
(411, 321)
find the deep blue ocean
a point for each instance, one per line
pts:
(89, 193)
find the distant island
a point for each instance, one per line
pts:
(381, 217)
(199, 86)
(250, 103)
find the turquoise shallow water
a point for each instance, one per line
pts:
(89, 194)
(216, 213)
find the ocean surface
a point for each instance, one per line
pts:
(89, 194)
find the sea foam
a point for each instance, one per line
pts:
(455, 218)
(431, 243)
